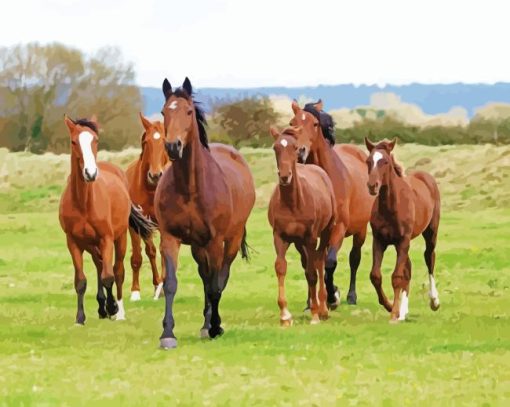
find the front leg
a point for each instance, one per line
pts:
(107, 275)
(400, 279)
(378, 249)
(80, 281)
(170, 252)
(217, 281)
(280, 267)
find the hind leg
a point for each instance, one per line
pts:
(200, 257)
(136, 264)
(430, 236)
(354, 260)
(404, 302)
(119, 272)
(150, 251)
(378, 249)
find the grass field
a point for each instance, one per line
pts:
(457, 356)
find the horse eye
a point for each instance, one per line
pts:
(73, 143)
(189, 112)
(162, 114)
(316, 125)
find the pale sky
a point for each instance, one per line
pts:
(231, 43)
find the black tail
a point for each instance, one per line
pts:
(141, 224)
(244, 248)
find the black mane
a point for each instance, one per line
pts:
(325, 120)
(87, 123)
(199, 113)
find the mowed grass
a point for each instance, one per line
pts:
(456, 356)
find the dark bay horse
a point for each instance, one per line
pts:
(95, 211)
(345, 165)
(143, 176)
(302, 211)
(203, 200)
(405, 207)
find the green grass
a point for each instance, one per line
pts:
(456, 356)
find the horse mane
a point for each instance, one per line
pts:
(86, 123)
(199, 113)
(325, 120)
(291, 131)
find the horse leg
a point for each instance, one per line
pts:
(337, 237)
(311, 278)
(107, 276)
(430, 236)
(280, 267)
(320, 262)
(404, 303)
(218, 277)
(378, 249)
(80, 281)
(136, 263)
(119, 272)
(354, 260)
(200, 257)
(170, 251)
(303, 257)
(398, 278)
(150, 251)
(100, 297)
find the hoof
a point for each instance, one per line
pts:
(102, 313)
(434, 304)
(204, 333)
(80, 319)
(79, 323)
(333, 305)
(324, 316)
(167, 343)
(306, 310)
(112, 308)
(135, 296)
(157, 291)
(315, 320)
(394, 321)
(352, 298)
(216, 331)
(286, 323)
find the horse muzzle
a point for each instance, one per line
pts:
(174, 149)
(373, 189)
(153, 178)
(285, 180)
(90, 175)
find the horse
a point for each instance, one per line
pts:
(345, 165)
(203, 200)
(302, 211)
(95, 211)
(405, 207)
(143, 176)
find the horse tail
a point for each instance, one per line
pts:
(244, 247)
(141, 224)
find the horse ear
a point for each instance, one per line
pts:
(274, 132)
(391, 144)
(186, 85)
(93, 119)
(369, 144)
(295, 107)
(167, 89)
(69, 123)
(319, 106)
(145, 122)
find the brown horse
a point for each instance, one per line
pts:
(95, 211)
(203, 200)
(143, 176)
(302, 211)
(345, 166)
(405, 207)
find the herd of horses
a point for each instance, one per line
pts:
(201, 194)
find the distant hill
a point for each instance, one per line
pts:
(433, 99)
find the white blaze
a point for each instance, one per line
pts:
(377, 157)
(303, 117)
(284, 143)
(156, 136)
(173, 105)
(85, 139)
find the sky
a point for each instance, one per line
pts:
(229, 43)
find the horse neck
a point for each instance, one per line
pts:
(189, 170)
(81, 191)
(292, 195)
(141, 175)
(325, 157)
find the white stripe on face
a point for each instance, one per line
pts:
(283, 143)
(303, 117)
(173, 105)
(377, 156)
(89, 162)
(156, 136)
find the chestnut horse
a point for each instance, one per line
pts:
(345, 166)
(302, 211)
(405, 207)
(95, 211)
(203, 199)
(143, 176)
